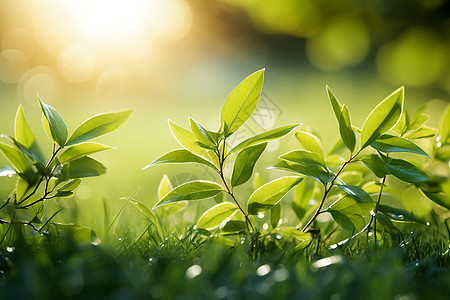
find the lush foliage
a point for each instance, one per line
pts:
(57, 176)
(315, 231)
(357, 182)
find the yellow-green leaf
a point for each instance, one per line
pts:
(382, 118)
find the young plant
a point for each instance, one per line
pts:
(39, 178)
(357, 205)
(211, 149)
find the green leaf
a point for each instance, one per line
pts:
(201, 133)
(335, 104)
(180, 156)
(439, 198)
(312, 170)
(406, 171)
(382, 118)
(390, 143)
(70, 186)
(17, 159)
(275, 215)
(22, 131)
(398, 214)
(217, 215)
(241, 102)
(193, 190)
(267, 136)
(445, 126)
(294, 232)
(304, 157)
(63, 194)
(164, 187)
(33, 153)
(402, 125)
(98, 125)
(419, 121)
(345, 129)
(421, 133)
(80, 150)
(356, 193)
(376, 164)
(234, 226)
(312, 144)
(348, 213)
(58, 128)
(84, 167)
(244, 164)
(187, 140)
(271, 194)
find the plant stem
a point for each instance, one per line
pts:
(228, 190)
(327, 190)
(373, 219)
(55, 151)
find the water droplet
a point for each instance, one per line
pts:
(120, 239)
(428, 223)
(372, 213)
(193, 271)
(439, 144)
(260, 215)
(370, 234)
(334, 246)
(265, 226)
(278, 237)
(263, 270)
(10, 249)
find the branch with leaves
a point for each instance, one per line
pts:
(39, 179)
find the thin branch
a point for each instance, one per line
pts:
(327, 190)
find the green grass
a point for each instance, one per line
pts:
(190, 266)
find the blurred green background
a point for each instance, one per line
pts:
(179, 58)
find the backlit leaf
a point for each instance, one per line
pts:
(98, 125)
(80, 150)
(244, 164)
(382, 118)
(345, 129)
(17, 159)
(406, 171)
(349, 213)
(390, 143)
(376, 164)
(445, 126)
(421, 133)
(271, 194)
(70, 186)
(312, 170)
(267, 136)
(187, 140)
(311, 143)
(356, 193)
(335, 104)
(22, 131)
(217, 215)
(84, 167)
(398, 214)
(58, 128)
(241, 102)
(193, 190)
(201, 133)
(180, 156)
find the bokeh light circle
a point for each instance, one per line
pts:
(418, 58)
(40, 80)
(76, 63)
(13, 64)
(344, 42)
